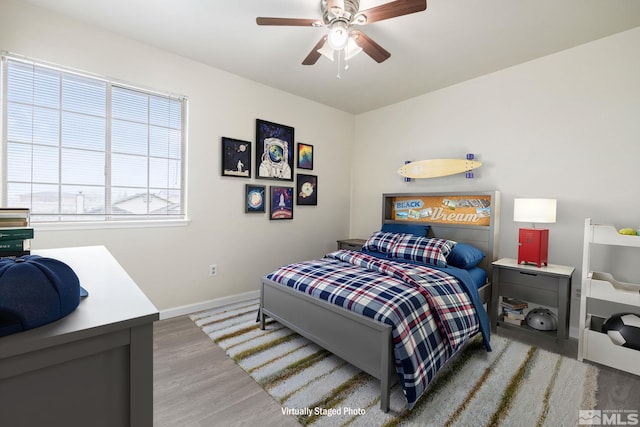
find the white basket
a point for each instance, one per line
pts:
(605, 287)
(600, 349)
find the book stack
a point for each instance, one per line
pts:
(15, 232)
(513, 310)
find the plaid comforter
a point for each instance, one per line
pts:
(430, 313)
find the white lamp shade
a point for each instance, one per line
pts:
(338, 35)
(534, 210)
(327, 51)
(352, 49)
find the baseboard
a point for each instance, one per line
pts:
(206, 305)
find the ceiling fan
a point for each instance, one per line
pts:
(341, 17)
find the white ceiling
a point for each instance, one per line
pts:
(452, 41)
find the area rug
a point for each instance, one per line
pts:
(514, 385)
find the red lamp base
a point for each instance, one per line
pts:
(533, 246)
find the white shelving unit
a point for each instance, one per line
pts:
(602, 296)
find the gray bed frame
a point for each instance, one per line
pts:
(359, 340)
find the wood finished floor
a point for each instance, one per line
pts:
(197, 385)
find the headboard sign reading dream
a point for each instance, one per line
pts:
(473, 209)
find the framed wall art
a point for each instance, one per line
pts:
(254, 198)
(236, 158)
(281, 202)
(305, 156)
(306, 189)
(274, 151)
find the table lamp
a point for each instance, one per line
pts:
(533, 243)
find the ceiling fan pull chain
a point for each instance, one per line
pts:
(346, 56)
(339, 64)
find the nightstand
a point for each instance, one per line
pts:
(549, 286)
(351, 244)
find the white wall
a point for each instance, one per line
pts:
(171, 264)
(565, 126)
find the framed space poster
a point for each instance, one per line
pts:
(306, 189)
(281, 202)
(305, 156)
(274, 151)
(254, 198)
(236, 158)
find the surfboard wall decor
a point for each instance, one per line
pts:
(435, 168)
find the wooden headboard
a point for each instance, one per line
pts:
(469, 217)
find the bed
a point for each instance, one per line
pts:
(369, 334)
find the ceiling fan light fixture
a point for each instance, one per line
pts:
(338, 36)
(327, 51)
(352, 49)
(339, 17)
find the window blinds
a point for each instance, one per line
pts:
(85, 148)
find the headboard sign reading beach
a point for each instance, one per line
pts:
(472, 217)
(474, 209)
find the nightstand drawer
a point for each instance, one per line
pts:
(529, 279)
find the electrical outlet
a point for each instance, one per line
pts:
(213, 270)
(578, 294)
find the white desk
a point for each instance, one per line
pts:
(92, 367)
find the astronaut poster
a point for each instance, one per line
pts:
(236, 158)
(274, 151)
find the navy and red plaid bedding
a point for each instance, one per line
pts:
(430, 313)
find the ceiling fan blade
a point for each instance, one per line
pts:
(313, 56)
(291, 22)
(371, 48)
(393, 9)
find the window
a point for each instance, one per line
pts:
(81, 148)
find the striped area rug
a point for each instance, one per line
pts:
(514, 385)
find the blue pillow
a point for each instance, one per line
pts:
(464, 256)
(415, 229)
